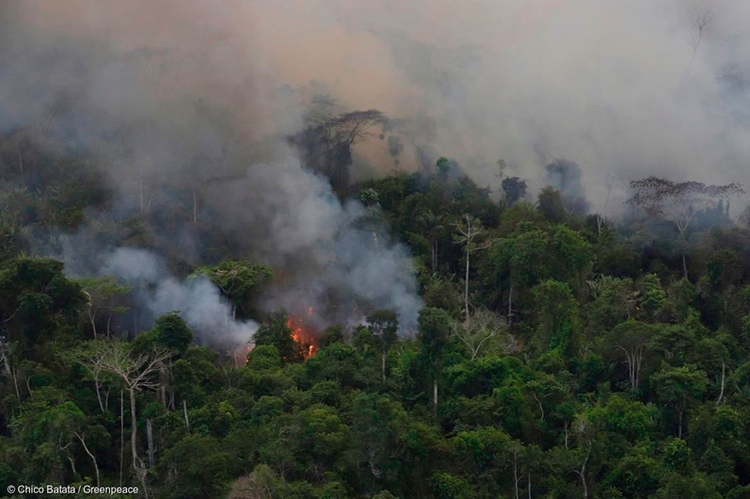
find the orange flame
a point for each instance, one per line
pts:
(240, 354)
(302, 334)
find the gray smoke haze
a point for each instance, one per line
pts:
(197, 95)
(196, 300)
(184, 109)
(621, 88)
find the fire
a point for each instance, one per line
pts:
(303, 334)
(240, 354)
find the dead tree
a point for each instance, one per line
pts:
(702, 19)
(137, 373)
(483, 326)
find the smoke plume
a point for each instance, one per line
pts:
(197, 300)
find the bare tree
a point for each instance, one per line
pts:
(584, 430)
(702, 19)
(483, 326)
(81, 436)
(137, 372)
(678, 202)
(468, 232)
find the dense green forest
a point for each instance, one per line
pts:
(558, 354)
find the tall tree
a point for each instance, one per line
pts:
(328, 139)
(557, 311)
(680, 387)
(483, 327)
(630, 340)
(136, 372)
(383, 324)
(679, 202)
(238, 281)
(514, 189)
(434, 333)
(105, 296)
(468, 233)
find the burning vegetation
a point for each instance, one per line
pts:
(303, 334)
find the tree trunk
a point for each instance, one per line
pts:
(679, 426)
(582, 471)
(184, 409)
(721, 393)
(99, 394)
(93, 458)
(15, 383)
(435, 394)
(684, 266)
(92, 319)
(529, 485)
(515, 474)
(133, 428)
(150, 436)
(382, 363)
(122, 432)
(466, 283)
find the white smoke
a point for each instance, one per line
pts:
(340, 256)
(196, 300)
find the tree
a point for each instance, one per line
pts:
(105, 294)
(383, 324)
(678, 202)
(37, 304)
(137, 373)
(197, 467)
(329, 136)
(514, 189)
(483, 326)
(467, 234)
(277, 332)
(377, 427)
(585, 430)
(550, 204)
(238, 281)
(631, 339)
(434, 226)
(679, 387)
(702, 19)
(557, 310)
(434, 333)
(172, 333)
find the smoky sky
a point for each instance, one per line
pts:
(195, 93)
(621, 88)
